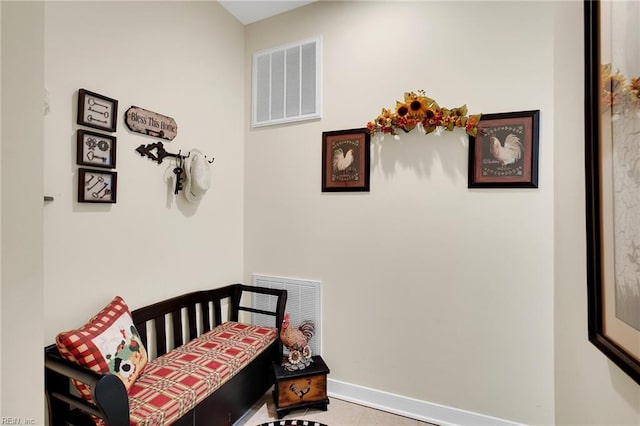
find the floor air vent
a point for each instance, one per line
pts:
(303, 303)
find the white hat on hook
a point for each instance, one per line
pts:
(197, 176)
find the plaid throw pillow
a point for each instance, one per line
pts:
(107, 343)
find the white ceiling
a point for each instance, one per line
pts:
(251, 11)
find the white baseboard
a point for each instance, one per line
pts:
(410, 407)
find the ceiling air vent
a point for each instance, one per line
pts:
(286, 83)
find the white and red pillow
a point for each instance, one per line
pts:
(108, 343)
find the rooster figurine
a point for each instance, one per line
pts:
(297, 341)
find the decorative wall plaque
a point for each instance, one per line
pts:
(151, 123)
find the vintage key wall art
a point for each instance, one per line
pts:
(96, 150)
(97, 111)
(96, 186)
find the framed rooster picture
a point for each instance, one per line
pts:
(504, 154)
(345, 160)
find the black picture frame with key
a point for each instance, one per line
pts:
(97, 186)
(97, 111)
(96, 150)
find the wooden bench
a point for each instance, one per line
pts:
(200, 314)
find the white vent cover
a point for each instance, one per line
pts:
(286, 83)
(303, 303)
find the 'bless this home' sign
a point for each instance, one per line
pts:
(151, 123)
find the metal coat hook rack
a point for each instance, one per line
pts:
(160, 152)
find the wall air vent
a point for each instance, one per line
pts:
(303, 303)
(286, 83)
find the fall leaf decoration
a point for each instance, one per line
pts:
(418, 110)
(616, 94)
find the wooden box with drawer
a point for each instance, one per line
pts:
(301, 389)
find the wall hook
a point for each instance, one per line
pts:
(160, 152)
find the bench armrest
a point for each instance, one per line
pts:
(108, 393)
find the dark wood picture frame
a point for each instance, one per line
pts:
(97, 186)
(613, 315)
(96, 150)
(97, 111)
(346, 160)
(505, 152)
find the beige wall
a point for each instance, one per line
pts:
(21, 226)
(429, 289)
(468, 285)
(181, 59)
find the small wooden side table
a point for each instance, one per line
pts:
(301, 389)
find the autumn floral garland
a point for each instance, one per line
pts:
(616, 94)
(424, 113)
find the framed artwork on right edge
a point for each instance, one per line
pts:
(612, 181)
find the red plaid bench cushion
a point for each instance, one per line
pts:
(174, 383)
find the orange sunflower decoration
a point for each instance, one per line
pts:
(613, 87)
(634, 92)
(418, 110)
(618, 95)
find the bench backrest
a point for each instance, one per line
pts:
(173, 322)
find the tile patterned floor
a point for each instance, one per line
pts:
(339, 413)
